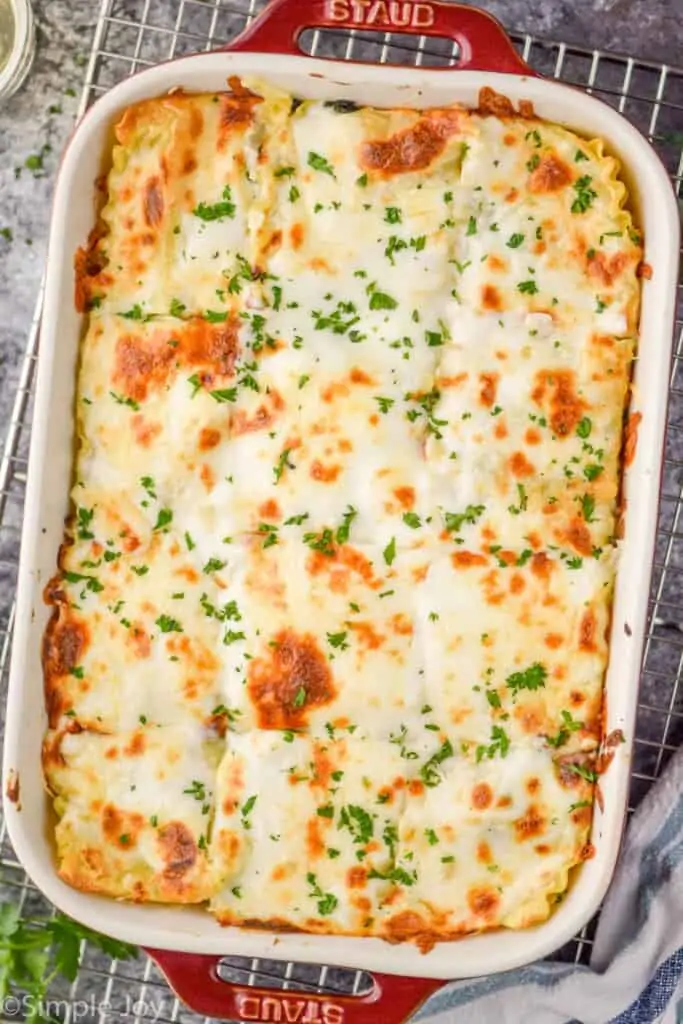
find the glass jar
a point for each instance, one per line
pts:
(17, 44)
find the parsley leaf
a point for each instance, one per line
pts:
(216, 211)
(429, 772)
(319, 163)
(282, 464)
(584, 194)
(456, 520)
(527, 287)
(167, 624)
(342, 535)
(358, 822)
(338, 640)
(389, 553)
(327, 901)
(532, 678)
(164, 519)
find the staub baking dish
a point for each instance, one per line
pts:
(186, 941)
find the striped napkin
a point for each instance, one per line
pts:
(636, 968)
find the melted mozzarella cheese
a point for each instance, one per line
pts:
(329, 629)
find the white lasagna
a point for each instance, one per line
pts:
(329, 627)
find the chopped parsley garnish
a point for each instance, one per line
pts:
(326, 811)
(384, 404)
(338, 640)
(327, 901)
(84, 518)
(532, 678)
(284, 172)
(358, 822)
(197, 790)
(533, 163)
(215, 316)
(224, 395)
(471, 226)
(392, 215)
(587, 507)
(592, 471)
(343, 531)
(282, 464)
(246, 810)
(216, 211)
(294, 194)
(124, 400)
(389, 553)
(339, 321)
(148, 485)
(394, 245)
(323, 542)
(379, 299)
(214, 565)
(498, 746)
(585, 773)
(514, 241)
(232, 636)
(579, 155)
(527, 287)
(455, 520)
(362, 180)
(299, 698)
(296, 520)
(397, 874)
(584, 194)
(515, 510)
(431, 836)
(167, 624)
(569, 725)
(535, 137)
(77, 671)
(429, 772)
(319, 163)
(584, 427)
(134, 313)
(269, 533)
(140, 570)
(177, 308)
(412, 520)
(164, 519)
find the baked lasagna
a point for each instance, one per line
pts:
(329, 628)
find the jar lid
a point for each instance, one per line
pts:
(22, 46)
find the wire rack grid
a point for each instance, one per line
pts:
(133, 34)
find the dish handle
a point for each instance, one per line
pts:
(194, 979)
(483, 42)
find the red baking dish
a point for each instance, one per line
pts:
(186, 942)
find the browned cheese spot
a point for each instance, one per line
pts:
(551, 175)
(414, 148)
(292, 679)
(178, 849)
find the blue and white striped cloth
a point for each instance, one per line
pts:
(636, 969)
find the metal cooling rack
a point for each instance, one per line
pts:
(132, 34)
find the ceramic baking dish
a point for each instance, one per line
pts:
(269, 49)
